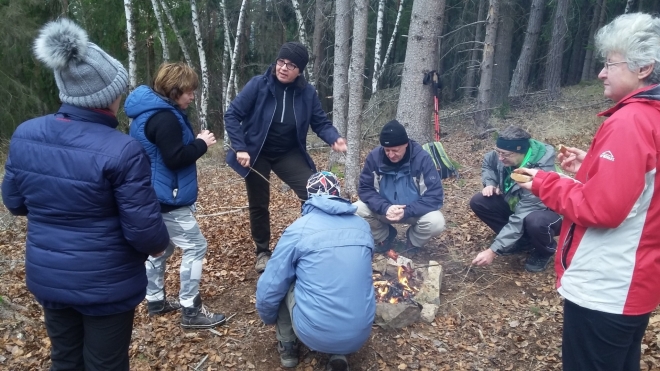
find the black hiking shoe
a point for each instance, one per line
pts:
(386, 244)
(198, 316)
(159, 307)
(537, 263)
(288, 353)
(337, 362)
(520, 247)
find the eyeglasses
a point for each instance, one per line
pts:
(607, 65)
(505, 155)
(289, 66)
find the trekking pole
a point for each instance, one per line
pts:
(436, 105)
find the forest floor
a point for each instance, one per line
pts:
(498, 317)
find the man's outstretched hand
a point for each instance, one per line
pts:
(484, 258)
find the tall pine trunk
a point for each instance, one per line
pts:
(502, 57)
(355, 95)
(553, 65)
(319, 29)
(473, 64)
(521, 73)
(587, 67)
(485, 82)
(340, 75)
(415, 99)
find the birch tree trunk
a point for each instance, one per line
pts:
(415, 99)
(302, 34)
(239, 31)
(204, 98)
(226, 57)
(182, 45)
(390, 46)
(356, 83)
(483, 96)
(161, 31)
(130, 33)
(521, 73)
(553, 65)
(476, 48)
(379, 40)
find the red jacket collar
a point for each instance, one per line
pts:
(630, 98)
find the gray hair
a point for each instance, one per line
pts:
(514, 132)
(636, 36)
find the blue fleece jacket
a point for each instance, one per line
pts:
(327, 252)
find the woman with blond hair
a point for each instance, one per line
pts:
(160, 124)
(609, 252)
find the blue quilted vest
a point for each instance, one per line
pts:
(173, 187)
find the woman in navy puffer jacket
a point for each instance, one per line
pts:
(93, 217)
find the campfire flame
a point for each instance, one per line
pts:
(395, 290)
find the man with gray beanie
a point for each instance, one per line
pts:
(93, 217)
(268, 132)
(304, 293)
(400, 184)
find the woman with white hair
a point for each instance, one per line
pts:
(609, 252)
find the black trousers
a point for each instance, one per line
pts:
(539, 227)
(293, 169)
(88, 343)
(598, 341)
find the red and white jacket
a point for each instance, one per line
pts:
(608, 258)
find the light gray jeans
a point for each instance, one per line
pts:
(184, 233)
(284, 330)
(422, 229)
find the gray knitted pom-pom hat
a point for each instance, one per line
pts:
(85, 75)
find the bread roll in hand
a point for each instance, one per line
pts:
(521, 178)
(561, 148)
(520, 175)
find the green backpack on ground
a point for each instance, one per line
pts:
(445, 166)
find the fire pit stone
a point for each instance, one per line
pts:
(425, 303)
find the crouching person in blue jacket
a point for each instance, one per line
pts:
(92, 215)
(400, 184)
(317, 287)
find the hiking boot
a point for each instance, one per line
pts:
(386, 244)
(520, 247)
(162, 306)
(262, 260)
(537, 263)
(198, 316)
(288, 353)
(337, 362)
(409, 247)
